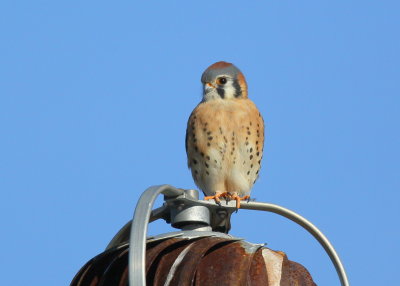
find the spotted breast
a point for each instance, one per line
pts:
(225, 135)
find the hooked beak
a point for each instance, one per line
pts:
(208, 87)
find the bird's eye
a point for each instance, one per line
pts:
(221, 80)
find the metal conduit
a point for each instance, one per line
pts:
(322, 239)
(142, 216)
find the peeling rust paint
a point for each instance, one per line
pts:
(202, 261)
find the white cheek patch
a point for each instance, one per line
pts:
(210, 94)
(229, 90)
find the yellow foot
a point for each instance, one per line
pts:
(216, 197)
(238, 199)
(227, 196)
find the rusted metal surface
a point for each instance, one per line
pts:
(198, 261)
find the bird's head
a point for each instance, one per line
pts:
(223, 80)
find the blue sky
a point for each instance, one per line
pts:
(94, 99)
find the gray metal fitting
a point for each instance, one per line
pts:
(182, 216)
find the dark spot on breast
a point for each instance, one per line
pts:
(205, 164)
(257, 171)
(258, 153)
(210, 138)
(248, 133)
(248, 173)
(251, 166)
(208, 157)
(207, 173)
(250, 123)
(215, 161)
(208, 144)
(196, 149)
(251, 157)
(256, 142)
(194, 161)
(259, 162)
(244, 162)
(205, 124)
(226, 140)
(247, 143)
(251, 150)
(220, 130)
(209, 132)
(204, 129)
(202, 154)
(196, 172)
(231, 152)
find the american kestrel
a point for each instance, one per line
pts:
(225, 136)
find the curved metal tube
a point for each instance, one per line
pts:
(318, 235)
(137, 247)
(123, 234)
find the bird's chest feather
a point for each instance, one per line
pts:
(220, 118)
(225, 134)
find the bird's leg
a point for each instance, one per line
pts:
(217, 197)
(238, 199)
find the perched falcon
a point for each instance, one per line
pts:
(225, 136)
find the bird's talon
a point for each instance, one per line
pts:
(216, 197)
(246, 198)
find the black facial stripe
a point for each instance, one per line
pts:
(221, 92)
(238, 89)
